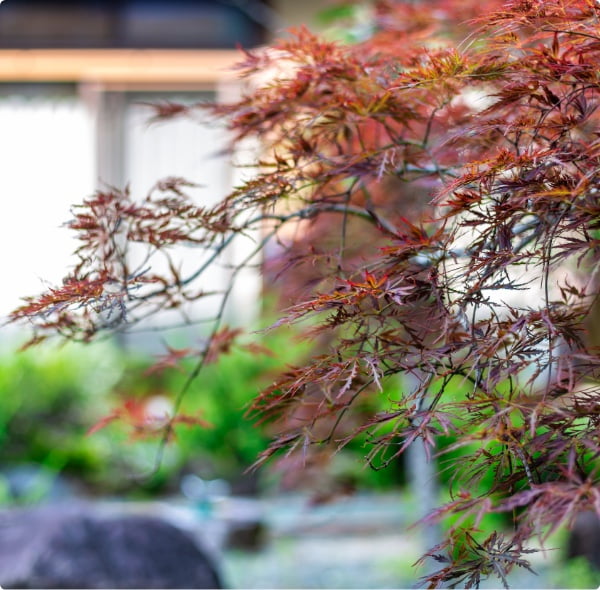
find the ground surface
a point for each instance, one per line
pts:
(359, 542)
(364, 541)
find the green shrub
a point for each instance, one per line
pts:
(51, 397)
(48, 400)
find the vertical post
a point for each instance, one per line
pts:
(423, 485)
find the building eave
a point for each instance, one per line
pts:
(118, 66)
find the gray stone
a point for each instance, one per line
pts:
(55, 547)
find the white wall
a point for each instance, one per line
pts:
(55, 150)
(46, 165)
(193, 151)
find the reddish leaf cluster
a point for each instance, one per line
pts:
(434, 210)
(144, 423)
(113, 283)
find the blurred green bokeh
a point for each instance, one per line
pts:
(51, 396)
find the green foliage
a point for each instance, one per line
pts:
(575, 573)
(230, 442)
(49, 398)
(52, 397)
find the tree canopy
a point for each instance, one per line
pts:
(427, 198)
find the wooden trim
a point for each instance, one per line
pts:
(125, 66)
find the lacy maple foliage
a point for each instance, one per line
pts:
(430, 196)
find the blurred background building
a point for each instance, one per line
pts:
(75, 80)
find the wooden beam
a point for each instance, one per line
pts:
(109, 66)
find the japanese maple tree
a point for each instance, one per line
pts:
(428, 196)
